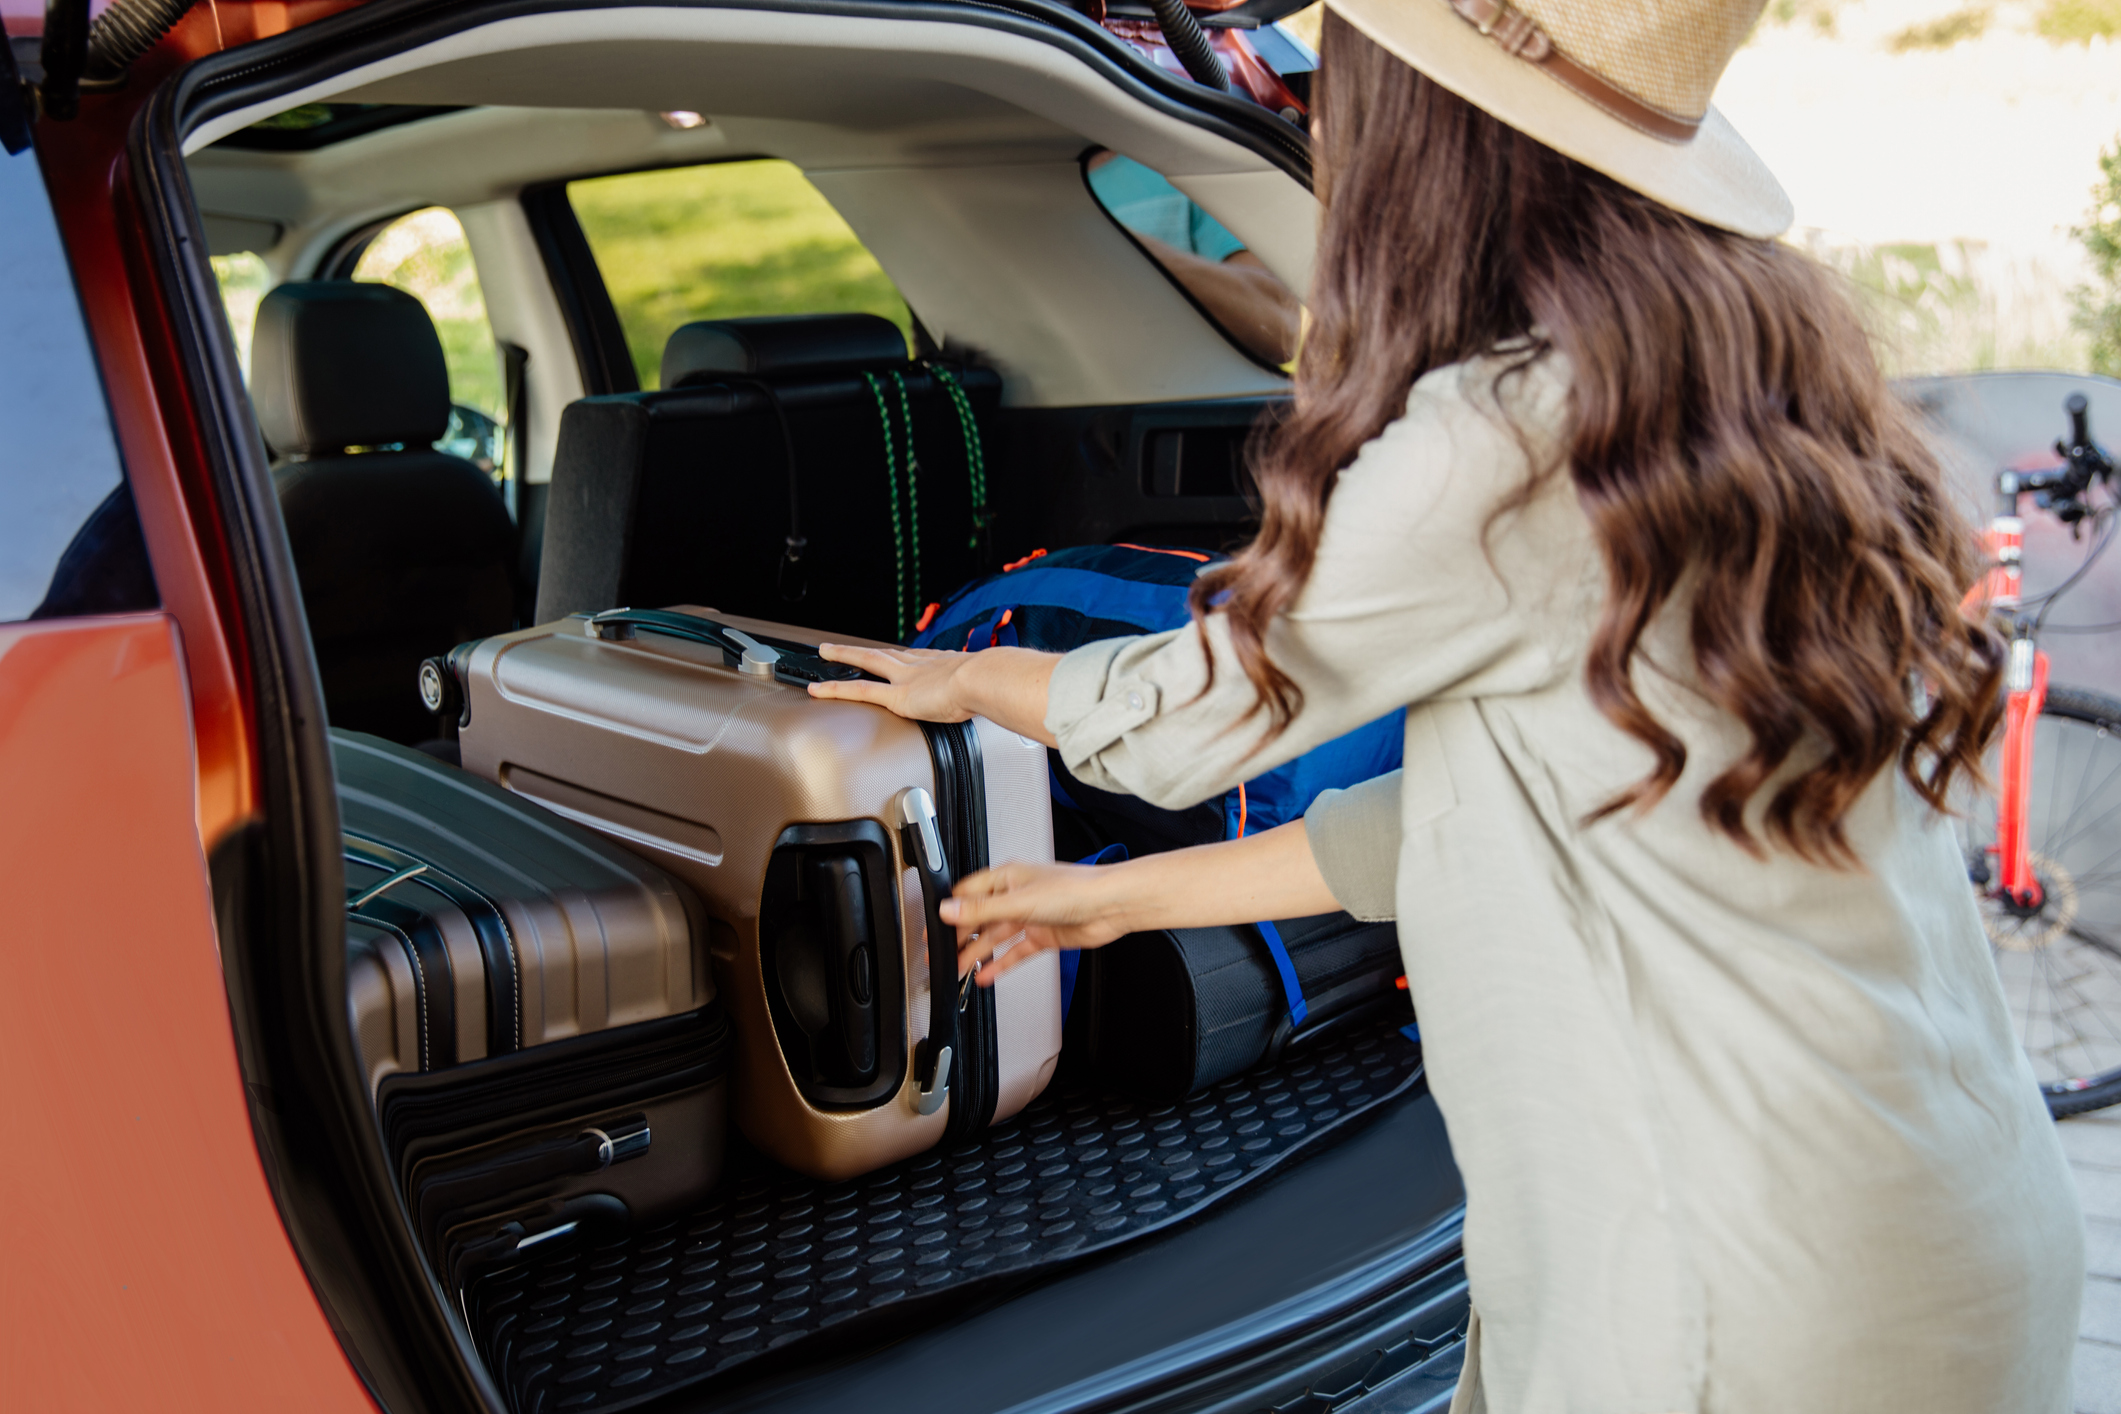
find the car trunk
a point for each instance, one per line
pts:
(1325, 1275)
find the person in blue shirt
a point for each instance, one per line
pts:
(1210, 263)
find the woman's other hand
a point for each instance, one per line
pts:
(1007, 686)
(1053, 907)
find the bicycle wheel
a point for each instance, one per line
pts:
(2061, 962)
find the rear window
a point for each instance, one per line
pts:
(69, 537)
(721, 242)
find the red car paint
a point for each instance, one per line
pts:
(146, 1264)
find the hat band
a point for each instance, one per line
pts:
(1519, 34)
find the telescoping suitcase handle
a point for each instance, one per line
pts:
(784, 662)
(921, 839)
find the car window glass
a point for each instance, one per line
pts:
(720, 242)
(69, 539)
(1203, 257)
(244, 278)
(426, 255)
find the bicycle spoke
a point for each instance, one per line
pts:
(2070, 830)
(2061, 966)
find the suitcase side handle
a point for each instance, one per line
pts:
(921, 841)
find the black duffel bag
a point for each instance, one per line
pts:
(1165, 1014)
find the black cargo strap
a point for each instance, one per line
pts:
(792, 578)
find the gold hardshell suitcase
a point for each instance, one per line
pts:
(821, 837)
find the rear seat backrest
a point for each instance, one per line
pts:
(681, 496)
(401, 554)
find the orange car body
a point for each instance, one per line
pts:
(147, 1265)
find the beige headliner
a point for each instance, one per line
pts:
(950, 148)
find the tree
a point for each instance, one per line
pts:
(2099, 303)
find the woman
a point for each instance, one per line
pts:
(1669, 588)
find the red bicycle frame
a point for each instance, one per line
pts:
(2026, 682)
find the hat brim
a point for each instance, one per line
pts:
(1714, 178)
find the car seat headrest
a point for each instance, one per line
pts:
(343, 363)
(781, 346)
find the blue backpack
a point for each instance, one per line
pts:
(1063, 600)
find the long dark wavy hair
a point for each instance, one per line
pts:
(1730, 425)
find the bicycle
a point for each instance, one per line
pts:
(2045, 862)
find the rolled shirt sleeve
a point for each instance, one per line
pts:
(1422, 588)
(1354, 836)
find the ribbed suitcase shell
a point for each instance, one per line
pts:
(653, 741)
(513, 982)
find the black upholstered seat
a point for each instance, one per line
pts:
(682, 496)
(402, 551)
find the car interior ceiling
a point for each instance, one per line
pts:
(1091, 376)
(1104, 405)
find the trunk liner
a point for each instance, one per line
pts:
(776, 1257)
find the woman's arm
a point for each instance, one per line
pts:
(1270, 875)
(1240, 294)
(1007, 686)
(1442, 571)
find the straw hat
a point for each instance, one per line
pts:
(1622, 86)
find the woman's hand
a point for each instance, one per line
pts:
(1054, 906)
(1007, 686)
(920, 683)
(1270, 875)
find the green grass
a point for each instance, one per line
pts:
(1820, 14)
(2079, 21)
(1943, 32)
(721, 242)
(425, 255)
(1955, 308)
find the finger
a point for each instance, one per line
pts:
(878, 693)
(980, 946)
(982, 882)
(1030, 946)
(1021, 944)
(880, 661)
(982, 912)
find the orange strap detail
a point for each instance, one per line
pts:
(927, 617)
(1241, 809)
(1159, 550)
(1019, 564)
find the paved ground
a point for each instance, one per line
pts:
(2094, 1145)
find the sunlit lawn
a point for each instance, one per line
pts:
(719, 242)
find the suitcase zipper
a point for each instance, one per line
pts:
(961, 805)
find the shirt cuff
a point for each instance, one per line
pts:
(1089, 706)
(1354, 836)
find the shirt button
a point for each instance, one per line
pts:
(1134, 700)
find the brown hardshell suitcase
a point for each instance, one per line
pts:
(821, 836)
(531, 1006)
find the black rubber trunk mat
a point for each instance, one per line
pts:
(776, 1258)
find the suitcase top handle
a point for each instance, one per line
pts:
(921, 839)
(790, 663)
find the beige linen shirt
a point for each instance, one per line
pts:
(1738, 1135)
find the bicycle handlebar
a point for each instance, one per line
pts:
(2060, 491)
